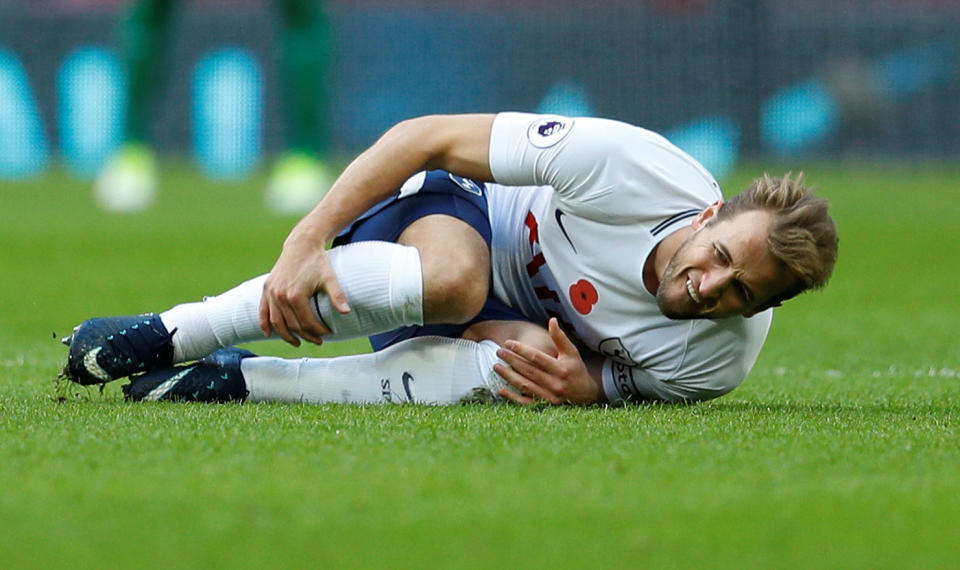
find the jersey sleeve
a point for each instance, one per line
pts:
(624, 384)
(598, 167)
(708, 369)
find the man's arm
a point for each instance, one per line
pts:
(457, 143)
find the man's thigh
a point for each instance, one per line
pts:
(427, 194)
(445, 217)
(455, 261)
(523, 331)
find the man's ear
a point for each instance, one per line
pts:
(708, 213)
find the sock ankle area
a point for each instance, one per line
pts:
(228, 319)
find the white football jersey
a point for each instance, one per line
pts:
(578, 207)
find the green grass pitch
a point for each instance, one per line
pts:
(841, 450)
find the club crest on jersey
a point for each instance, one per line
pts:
(548, 131)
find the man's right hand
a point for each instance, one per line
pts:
(302, 270)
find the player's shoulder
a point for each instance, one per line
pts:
(547, 130)
(724, 350)
(665, 165)
(649, 160)
(690, 360)
(715, 355)
(617, 167)
(607, 136)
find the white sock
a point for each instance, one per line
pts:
(229, 319)
(431, 370)
(383, 283)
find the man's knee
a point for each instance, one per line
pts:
(456, 291)
(456, 268)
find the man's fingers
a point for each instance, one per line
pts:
(291, 315)
(310, 327)
(560, 340)
(510, 395)
(525, 369)
(283, 320)
(265, 318)
(524, 386)
(337, 297)
(538, 358)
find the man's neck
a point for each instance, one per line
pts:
(660, 257)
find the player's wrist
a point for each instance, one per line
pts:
(307, 236)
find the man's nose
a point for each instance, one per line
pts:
(715, 282)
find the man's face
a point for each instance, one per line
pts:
(722, 269)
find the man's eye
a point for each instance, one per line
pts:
(721, 255)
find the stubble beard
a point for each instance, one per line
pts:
(669, 275)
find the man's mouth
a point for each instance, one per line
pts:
(692, 292)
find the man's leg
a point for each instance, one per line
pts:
(456, 268)
(145, 34)
(304, 64)
(425, 370)
(438, 273)
(501, 330)
(431, 370)
(384, 283)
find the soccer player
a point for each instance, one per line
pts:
(523, 257)
(129, 179)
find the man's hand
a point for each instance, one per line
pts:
(536, 375)
(301, 271)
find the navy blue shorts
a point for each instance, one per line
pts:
(441, 193)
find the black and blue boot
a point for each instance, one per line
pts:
(216, 378)
(105, 349)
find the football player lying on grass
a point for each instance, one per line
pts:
(514, 256)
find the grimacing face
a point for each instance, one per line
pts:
(723, 269)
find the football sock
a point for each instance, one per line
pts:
(231, 318)
(383, 283)
(430, 370)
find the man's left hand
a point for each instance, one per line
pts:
(537, 376)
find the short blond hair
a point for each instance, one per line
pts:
(802, 236)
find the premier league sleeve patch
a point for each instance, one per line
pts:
(548, 131)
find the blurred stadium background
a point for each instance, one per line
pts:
(727, 80)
